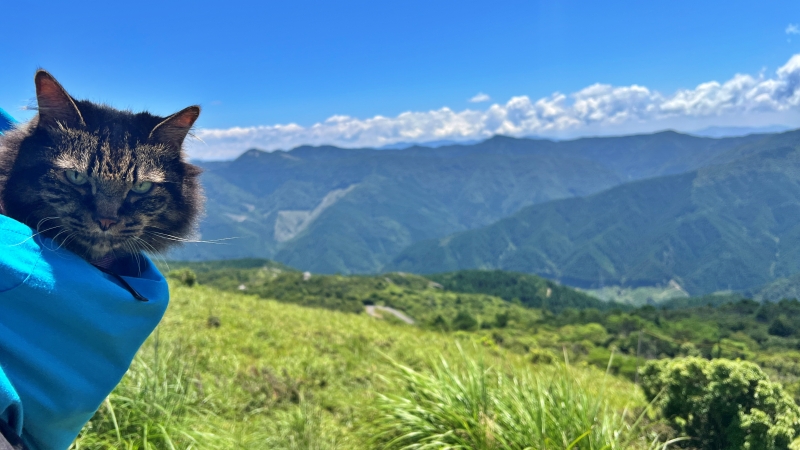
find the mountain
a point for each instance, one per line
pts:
(718, 132)
(730, 226)
(328, 209)
(430, 144)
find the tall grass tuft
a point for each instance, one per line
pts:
(471, 406)
(150, 408)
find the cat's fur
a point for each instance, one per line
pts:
(111, 151)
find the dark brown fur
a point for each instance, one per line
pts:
(115, 150)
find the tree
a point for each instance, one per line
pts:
(781, 326)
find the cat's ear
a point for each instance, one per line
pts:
(55, 105)
(173, 129)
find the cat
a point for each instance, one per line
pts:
(100, 182)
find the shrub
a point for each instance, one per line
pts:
(722, 404)
(187, 277)
(464, 321)
(501, 320)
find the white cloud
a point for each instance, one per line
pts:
(743, 100)
(792, 28)
(480, 97)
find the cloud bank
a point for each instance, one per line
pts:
(595, 110)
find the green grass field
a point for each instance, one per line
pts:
(226, 370)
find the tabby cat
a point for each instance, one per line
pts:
(100, 182)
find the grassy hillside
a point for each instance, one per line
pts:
(506, 310)
(333, 210)
(435, 300)
(227, 370)
(426, 302)
(729, 227)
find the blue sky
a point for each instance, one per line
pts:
(278, 68)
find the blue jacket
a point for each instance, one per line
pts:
(68, 333)
(6, 121)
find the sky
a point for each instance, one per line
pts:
(275, 75)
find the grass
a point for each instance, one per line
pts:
(233, 371)
(472, 406)
(425, 301)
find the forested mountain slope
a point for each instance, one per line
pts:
(327, 209)
(730, 226)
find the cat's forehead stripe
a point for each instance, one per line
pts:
(91, 154)
(152, 174)
(70, 162)
(112, 163)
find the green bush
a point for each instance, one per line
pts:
(464, 321)
(187, 277)
(722, 404)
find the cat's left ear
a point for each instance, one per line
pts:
(173, 129)
(55, 105)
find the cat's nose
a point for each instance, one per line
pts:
(106, 223)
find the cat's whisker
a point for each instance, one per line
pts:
(63, 240)
(41, 222)
(38, 232)
(131, 247)
(139, 249)
(180, 239)
(70, 237)
(34, 235)
(61, 244)
(152, 250)
(54, 239)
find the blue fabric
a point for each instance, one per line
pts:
(6, 121)
(68, 333)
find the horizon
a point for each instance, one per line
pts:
(359, 74)
(728, 132)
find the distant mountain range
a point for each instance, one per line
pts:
(718, 132)
(429, 144)
(328, 209)
(733, 224)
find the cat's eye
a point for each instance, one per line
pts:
(142, 187)
(76, 177)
